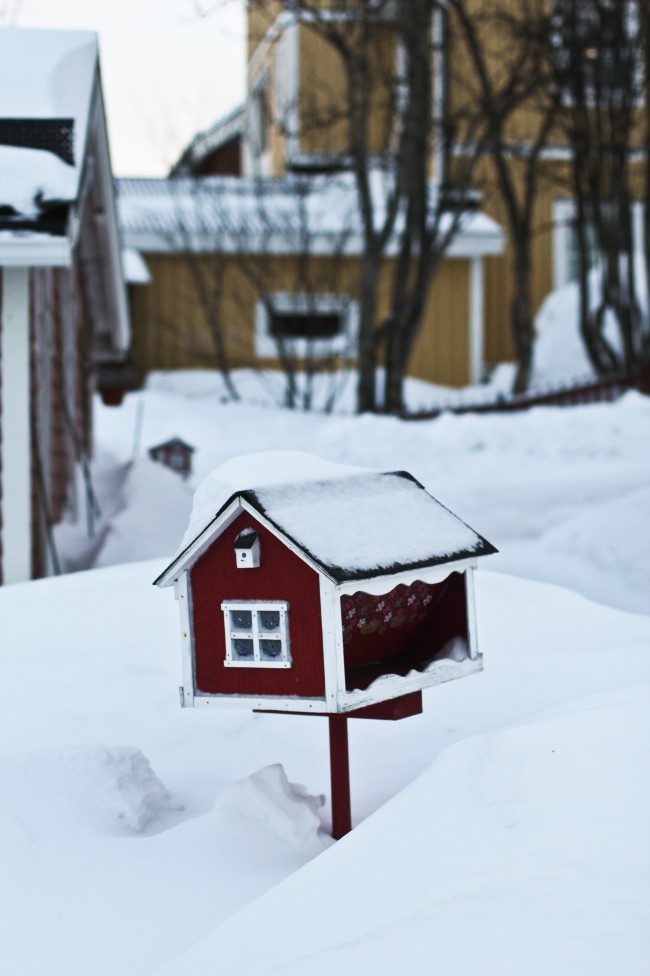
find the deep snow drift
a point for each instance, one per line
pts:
(563, 493)
(504, 830)
(132, 827)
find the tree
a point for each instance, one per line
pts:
(596, 50)
(508, 75)
(388, 127)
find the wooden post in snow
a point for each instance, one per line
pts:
(340, 776)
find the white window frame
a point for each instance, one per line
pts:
(563, 242)
(254, 607)
(285, 303)
(258, 122)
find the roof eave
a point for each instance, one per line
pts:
(34, 250)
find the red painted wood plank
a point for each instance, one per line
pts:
(340, 776)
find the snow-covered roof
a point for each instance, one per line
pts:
(352, 523)
(44, 75)
(134, 267)
(287, 215)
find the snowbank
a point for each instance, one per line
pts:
(501, 837)
(515, 478)
(559, 353)
(515, 846)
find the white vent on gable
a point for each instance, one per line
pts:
(247, 549)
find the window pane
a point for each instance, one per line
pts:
(242, 650)
(268, 620)
(241, 619)
(271, 650)
(312, 325)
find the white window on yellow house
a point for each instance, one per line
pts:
(303, 325)
(565, 244)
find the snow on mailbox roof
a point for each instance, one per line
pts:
(353, 523)
(46, 86)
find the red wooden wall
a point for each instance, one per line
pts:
(281, 576)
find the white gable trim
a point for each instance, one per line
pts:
(476, 317)
(375, 585)
(212, 531)
(189, 556)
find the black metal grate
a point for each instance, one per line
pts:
(53, 135)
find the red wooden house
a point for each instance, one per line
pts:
(329, 595)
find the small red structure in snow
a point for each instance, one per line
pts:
(344, 594)
(175, 454)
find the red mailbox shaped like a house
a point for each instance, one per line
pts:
(326, 596)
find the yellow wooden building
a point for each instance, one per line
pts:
(236, 263)
(266, 264)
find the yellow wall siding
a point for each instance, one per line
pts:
(499, 275)
(260, 18)
(324, 119)
(322, 95)
(441, 352)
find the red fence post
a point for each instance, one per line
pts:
(340, 776)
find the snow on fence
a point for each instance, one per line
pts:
(601, 390)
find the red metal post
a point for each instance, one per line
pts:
(340, 776)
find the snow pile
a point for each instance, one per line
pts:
(96, 789)
(514, 478)
(527, 846)
(44, 74)
(30, 177)
(261, 470)
(494, 838)
(368, 522)
(608, 538)
(559, 352)
(152, 517)
(268, 800)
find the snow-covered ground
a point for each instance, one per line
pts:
(503, 831)
(564, 493)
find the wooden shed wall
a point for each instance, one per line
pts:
(172, 327)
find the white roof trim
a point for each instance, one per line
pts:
(22, 250)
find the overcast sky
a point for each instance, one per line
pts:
(166, 71)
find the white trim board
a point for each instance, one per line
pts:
(34, 250)
(343, 344)
(16, 432)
